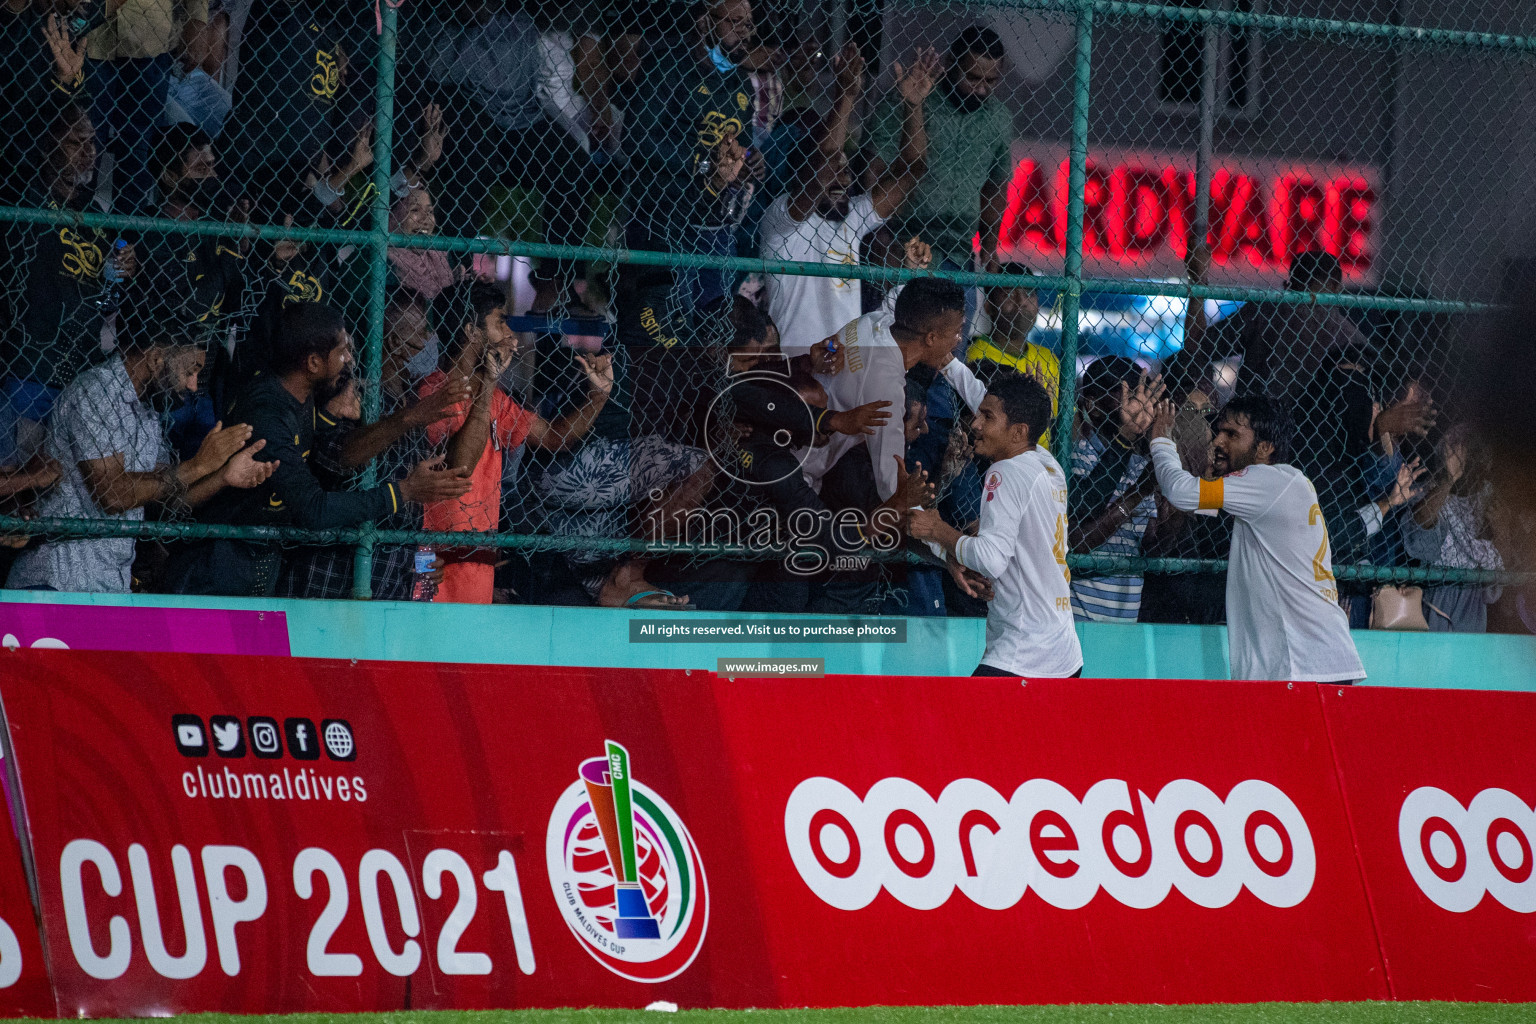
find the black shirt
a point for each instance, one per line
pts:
(60, 322)
(292, 497)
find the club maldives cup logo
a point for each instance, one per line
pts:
(626, 873)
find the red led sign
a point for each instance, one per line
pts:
(1138, 213)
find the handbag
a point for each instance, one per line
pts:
(1399, 608)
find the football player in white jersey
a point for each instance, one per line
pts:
(1021, 544)
(875, 352)
(1283, 614)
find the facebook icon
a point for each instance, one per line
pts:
(303, 741)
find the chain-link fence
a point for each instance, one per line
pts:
(629, 282)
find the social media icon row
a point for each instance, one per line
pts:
(224, 736)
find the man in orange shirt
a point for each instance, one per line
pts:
(476, 437)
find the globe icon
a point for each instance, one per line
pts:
(338, 740)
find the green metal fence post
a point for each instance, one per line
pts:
(373, 351)
(1072, 295)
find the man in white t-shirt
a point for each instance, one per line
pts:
(1283, 614)
(1021, 543)
(816, 221)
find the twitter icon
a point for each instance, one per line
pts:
(228, 737)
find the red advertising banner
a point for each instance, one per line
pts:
(24, 988)
(273, 835)
(1055, 841)
(1439, 786)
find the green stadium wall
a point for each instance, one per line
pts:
(544, 635)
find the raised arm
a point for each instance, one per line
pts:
(565, 431)
(371, 440)
(895, 183)
(964, 380)
(832, 135)
(1180, 487)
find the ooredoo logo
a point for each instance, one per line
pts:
(1136, 848)
(625, 872)
(1456, 853)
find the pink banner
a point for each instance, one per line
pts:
(172, 630)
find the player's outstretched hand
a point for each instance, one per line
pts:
(924, 524)
(1163, 416)
(863, 419)
(970, 582)
(912, 489)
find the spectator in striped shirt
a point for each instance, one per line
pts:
(1111, 501)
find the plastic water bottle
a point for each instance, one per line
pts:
(112, 278)
(425, 588)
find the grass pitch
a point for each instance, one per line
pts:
(1249, 1013)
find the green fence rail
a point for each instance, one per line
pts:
(82, 529)
(1072, 284)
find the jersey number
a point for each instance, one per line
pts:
(1059, 548)
(1320, 572)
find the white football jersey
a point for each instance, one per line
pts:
(1283, 614)
(808, 309)
(873, 370)
(1021, 546)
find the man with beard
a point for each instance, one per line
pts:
(105, 434)
(970, 139)
(310, 355)
(818, 222)
(1283, 614)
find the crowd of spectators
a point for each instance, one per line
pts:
(197, 377)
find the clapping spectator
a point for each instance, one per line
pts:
(311, 353)
(969, 165)
(344, 444)
(105, 434)
(817, 221)
(1453, 526)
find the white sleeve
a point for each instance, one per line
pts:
(963, 379)
(1370, 515)
(1247, 494)
(862, 218)
(889, 441)
(774, 224)
(997, 538)
(1179, 486)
